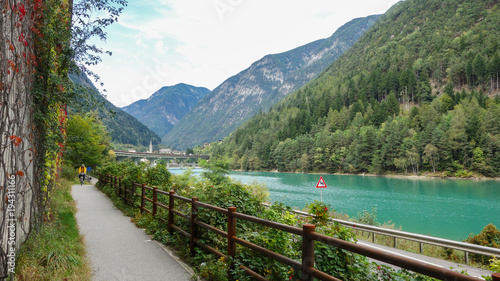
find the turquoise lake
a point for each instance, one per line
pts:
(444, 208)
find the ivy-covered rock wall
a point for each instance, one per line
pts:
(17, 171)
(32, 117)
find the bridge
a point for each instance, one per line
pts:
(153, 157)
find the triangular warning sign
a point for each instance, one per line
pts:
(321, 183)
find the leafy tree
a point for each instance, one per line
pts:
(379, 113)
(304, 162)
(86, 27)
(392, 104)
(431, 155)
(479, 68)
(413, 158)
(218, 169)
(376, 165)
(446, 103)
(87, 141)
(494, 69)
(401, 163)
(457, 134)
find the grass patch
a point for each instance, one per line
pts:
(56, 251)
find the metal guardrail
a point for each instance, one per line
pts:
(309, 236)
(422, 239)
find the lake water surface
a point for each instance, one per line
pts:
(450, 209)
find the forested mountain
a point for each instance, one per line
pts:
(416, 93)
(166, 107)
(260, 86)
(123, 127)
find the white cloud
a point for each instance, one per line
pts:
(200, 45)
(160, 49)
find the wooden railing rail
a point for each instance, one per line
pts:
(308, 234)
(419, 238)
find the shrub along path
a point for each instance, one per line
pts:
(118, 250)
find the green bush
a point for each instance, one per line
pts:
(278, 241)
(218, 169)
(463, 174)
(368, 218)
(490, 237)
(495, 264)
(320, 212)
(158, 176)
(338, 262)
(68, 172)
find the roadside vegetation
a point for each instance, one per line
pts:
(489, 236)
(215, 188)
(56, 251)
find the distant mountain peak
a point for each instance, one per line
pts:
(164, 108)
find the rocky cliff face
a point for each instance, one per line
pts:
(166, 107)
(260, 86)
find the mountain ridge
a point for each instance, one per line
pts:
(261, 85)
(165, 107)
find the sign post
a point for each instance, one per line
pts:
(321, 184)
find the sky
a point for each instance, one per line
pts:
(158, 43)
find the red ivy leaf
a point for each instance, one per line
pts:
(22, 10)
(17, 140)
(20, 173)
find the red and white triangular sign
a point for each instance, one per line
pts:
(321, 183)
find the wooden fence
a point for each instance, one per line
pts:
(307, 232)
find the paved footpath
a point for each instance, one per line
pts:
(118, 249)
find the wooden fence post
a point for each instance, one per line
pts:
(307, 251)
(128, 199)
(194, 228)
(119, 184)
(231, 245)
(495, 277)
(170, 212)
(131, 195)
(117, 190)
(143, 194)
(155, 199)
